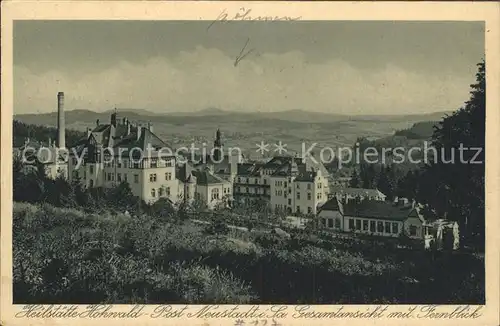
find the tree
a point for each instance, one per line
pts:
(387, 182)
(121, 197)
(408, 185)
(218, 227)
(368, 176)
(457, 188)
(163, 208)
(354, 182)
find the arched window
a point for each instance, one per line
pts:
(215, 193)
(153, 192)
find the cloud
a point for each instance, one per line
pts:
(204, 78)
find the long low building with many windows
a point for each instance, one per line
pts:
(372, 217)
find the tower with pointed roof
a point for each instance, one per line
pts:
(217, 151)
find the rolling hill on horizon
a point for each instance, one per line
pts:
(213, 114)
(244, 130)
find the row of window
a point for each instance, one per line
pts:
(330, 222)
(255, 190)
(280, 183)
(91, 171)
(281, 207)
(309, 195)
(121, 177)
(309, 210)
(372, 226)
(136, 165)
(153, 176)
(308, 186)
(163, 191)
(215, 193)
(247, 180)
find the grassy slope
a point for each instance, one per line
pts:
(65, 255)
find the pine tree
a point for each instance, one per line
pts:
(354, 182)
(384, 183)
(458, 188)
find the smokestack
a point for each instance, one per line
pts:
(139, 131)
(113, 118)
(61, 131)
(128, 128)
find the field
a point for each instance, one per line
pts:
(65, 255)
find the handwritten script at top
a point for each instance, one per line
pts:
(245, 14)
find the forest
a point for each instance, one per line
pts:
(448, 185)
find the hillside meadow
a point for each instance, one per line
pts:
(62, 255)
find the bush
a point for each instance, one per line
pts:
(217, 227)
(65, 255)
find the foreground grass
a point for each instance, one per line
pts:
(63, 255)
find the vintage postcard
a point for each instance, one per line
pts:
(239, 163)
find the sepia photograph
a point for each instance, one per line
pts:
(249, 160)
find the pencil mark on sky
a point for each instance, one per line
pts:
(243, 54)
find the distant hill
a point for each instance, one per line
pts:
(84, 118)
(420, 130)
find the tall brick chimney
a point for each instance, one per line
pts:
(61, 127)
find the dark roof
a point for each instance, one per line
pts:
(146, 138)
(102, 135)
(283, 170)
(206, 177)
(315, 164)
(249, 169)
(223, 167)
(356, 191)
(377, 209)
(277, 161)
(287, 165)
(333, 205)
(108, 135)
(183, 173)
(369, 209)
(306, 176)
(101, 128)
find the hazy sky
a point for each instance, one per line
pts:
(340, 67)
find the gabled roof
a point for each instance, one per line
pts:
(306, 176)
(206, 177)
(357, 192)
(249, 169)
(283, 170)
(146, 138)
(278, 161)
(101, 128)
(183, 173)
(102, 134)
(377, 209)
(373, 209)
(333, 204)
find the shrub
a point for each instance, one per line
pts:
(64, 255)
